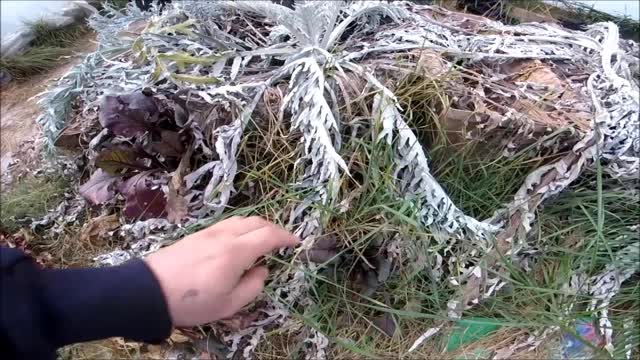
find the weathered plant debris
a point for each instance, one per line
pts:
(386, 324)
(177, 96)
(98, 228)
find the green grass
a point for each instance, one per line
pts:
(475, 175)
(629, 28)
(47, 36)
(118, 4)
(29, 198)
(570, 238)
(578, 230)
(35, 61)
(48, 47)
(571, 14)
(375, 216)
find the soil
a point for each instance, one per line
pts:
(20, 142)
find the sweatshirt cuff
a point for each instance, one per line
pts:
(97, 303)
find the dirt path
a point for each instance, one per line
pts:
(20, 142)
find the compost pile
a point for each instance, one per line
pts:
(161, 108)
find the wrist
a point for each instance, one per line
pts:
(125, 300)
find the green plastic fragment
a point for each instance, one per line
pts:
(470, 330)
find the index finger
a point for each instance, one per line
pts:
(263, 241)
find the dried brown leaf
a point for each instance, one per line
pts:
(178, 175)
(536, 72)
(386, 324)
(155, 352)
(177, 207)
(178, 337)
(324, 249)
(180, 111)
(114, 161)
(383, 268)
(98, 228)
(365, 281)
(70, 137)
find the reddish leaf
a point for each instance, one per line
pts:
(143, 199)
(128, 115)
(98, 190)
(169, 145)
(114, 161)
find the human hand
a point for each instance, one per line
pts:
(209, 275)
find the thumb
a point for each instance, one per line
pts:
(248, 288)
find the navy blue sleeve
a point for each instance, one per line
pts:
(41, 310)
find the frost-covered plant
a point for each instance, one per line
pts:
(207, 76)
(96, 74)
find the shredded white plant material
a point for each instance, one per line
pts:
(604, 286)
(424, 337)
(205, 68)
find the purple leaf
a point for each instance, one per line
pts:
(128, 115)
(169, 145)
(98, 189)
(144, 200)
